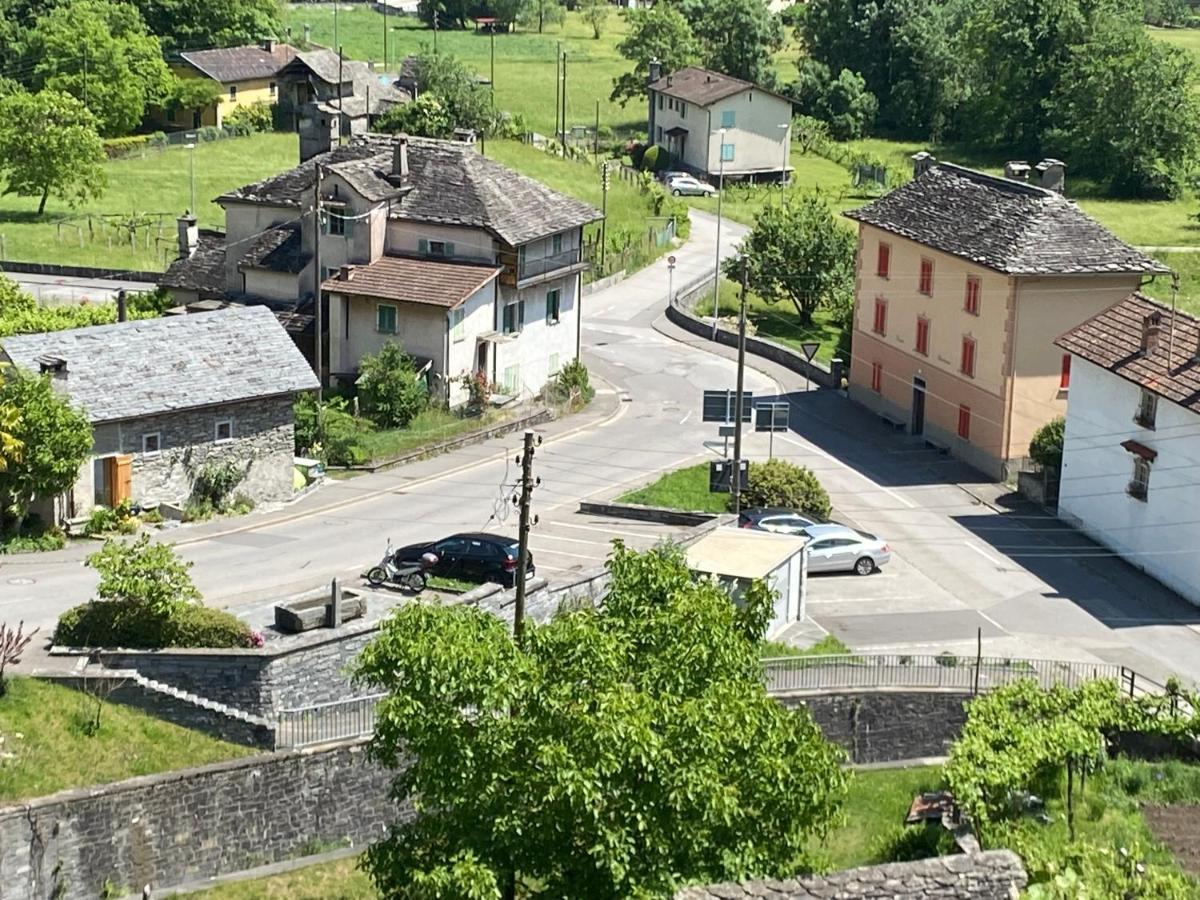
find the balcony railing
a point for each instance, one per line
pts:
(524, 266)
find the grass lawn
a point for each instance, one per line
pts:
(826, 646)
(524, 60)
(682, 489)
(338, 880)
(429, 427)
(778, 321)
(1188, 267)
(43, 726)
(158, 182)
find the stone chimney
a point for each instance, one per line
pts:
(346, 273)
(400, 158)
(121, 305)
(268, 44)
(922, 163)
(56, 368)
(1151, 332)
(655, 71)
(1016, 170)
(189, 234)
(1052, 175)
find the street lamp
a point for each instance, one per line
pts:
(717, 264)
(786, 153)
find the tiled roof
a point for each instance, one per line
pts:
(1112, 340)
(1010, 226)
(149, 366)
(425, 281)
(203, 271)
(290, 187)
(704, 86)
(279, 249)
(232, 64)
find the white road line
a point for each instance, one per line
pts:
(615, 531)
(683, 421)
(550, 552)
(995, 562)
(555, 537)
(833, 459)
(989, 619)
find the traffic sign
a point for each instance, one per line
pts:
(810, 349)
(720, 475)
(670, 260)
(720, 406)
(772, 416)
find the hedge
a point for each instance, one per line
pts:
(132, 625)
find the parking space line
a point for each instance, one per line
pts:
(984, 554)
(615, 531)
(555, 537)
(992, 621)
(537, 549)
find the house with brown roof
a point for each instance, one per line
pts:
(246, 75)
(472, 267)
(963, 282)
(718, 126)
(1132, 446)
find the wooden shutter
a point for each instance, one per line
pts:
(449, 245)
(422, 246)
(123, 479)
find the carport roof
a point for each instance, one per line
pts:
(740, 553)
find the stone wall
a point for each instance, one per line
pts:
(881, 725)
(184, 826)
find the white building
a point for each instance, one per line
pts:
(720, 126)
(1132, 447)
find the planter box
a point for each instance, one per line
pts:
(311, 613)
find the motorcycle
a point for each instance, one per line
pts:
(408, 576)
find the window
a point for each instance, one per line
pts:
(437, 248)
(728, 118)
(880, 325)
(514, 316)
(877, 377)
(456, 324)
(271, 88)
(659, 141)
(1064, 379)
(682, 110)
(556, 244)
(884, 261)
(964, 422)
(385, 318)
(925, 285)
(922, 335)
(233, 92)
(1147, 410)
(727, 153)
(151, 443)
(968, 357)
(552, 306)
(512, 379)
(1139, 485)
(336, 223)
(660, 96)
(223, 430)
(971, 303)
(553, 364)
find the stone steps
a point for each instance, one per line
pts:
(183, 696)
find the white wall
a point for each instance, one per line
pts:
(1155, 534)
(469, 243)
(479, 317)
(759, 144)
(542, 348)
(271, 284)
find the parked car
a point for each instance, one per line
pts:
(777, 519)
(670, 175)
(837, 548)
(476, 557)
(687, 186)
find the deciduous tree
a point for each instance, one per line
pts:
(193, 24)
(466, 102)
(738, 37)
(843, 103)
(391, 391)
(595, 13)
(617, 753)
(49, 145)
(660, 32)
(542, 13)
(426, 116)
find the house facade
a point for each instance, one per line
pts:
(167, 396)
(1132, 445)
(963, 281)
(246, 75)
(470, 266)
(719, 126)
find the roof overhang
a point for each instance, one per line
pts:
(1137, 448)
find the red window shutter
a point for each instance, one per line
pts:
(877, 377)
(926, 283)
(923, 336)
(880, 316)
(968, 357)
(1064, 380)
(964, 422)
(972, 301)
(884, 261)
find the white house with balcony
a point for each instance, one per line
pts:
(470, 266)
(719, 126)
(1132, 446)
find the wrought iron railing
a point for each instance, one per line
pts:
(324, 723)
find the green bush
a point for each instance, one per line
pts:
(905, 843)
(655, 159)
(215, 482)
(256, 116)
(136, 625)
(103, 520)
(391, 391)
(1046, 448)
(115, 148)
(781, 483)
(328, 432)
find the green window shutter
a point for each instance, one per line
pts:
(422, 246)
(449, 248)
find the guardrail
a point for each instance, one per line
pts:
(324, 723)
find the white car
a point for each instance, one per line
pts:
(687, 186)
(837, 548)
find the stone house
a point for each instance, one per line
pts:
(1132, 444)
(471, 266)
(166, 396)
(246, 75)
(719, 126)
(963, 282)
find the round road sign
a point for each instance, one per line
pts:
(670, 260)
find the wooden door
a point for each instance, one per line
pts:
(122, 481)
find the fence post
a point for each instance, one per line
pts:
(978, 659)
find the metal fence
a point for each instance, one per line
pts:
(324, 723)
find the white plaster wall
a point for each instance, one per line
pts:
(479, 317)
(271, 284)
(760, 145)
(1156, 535)
(420, 330)
(469, 243)
(539, 342)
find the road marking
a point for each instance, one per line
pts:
(564, 553)
(995, 562)
(992, 621)
(833, 459)
(554, 537)
(618, 531)
(683, 421)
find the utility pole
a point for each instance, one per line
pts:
(435, 28)
(385, 47)
(339, 101)
(557, 87)
(319, 323)
(603, 212)
(527, 485)
(596, 133)
(564, 105)
(741, 373)
(717, 264)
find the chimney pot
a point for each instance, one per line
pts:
(655, 71)
(1016, 170)
(345, 273)
(1151, 332)
(189, 234)
(268, 44)
(400, 158)
(1052, 175)
(922, 163)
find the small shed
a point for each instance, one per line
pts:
(737, 556)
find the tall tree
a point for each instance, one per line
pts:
(542, 13)
(465, 101)
(194, 24)
(617, 753)
(843, 103)
(101, 53)
(55, 440)
(660, 32)
(595, 13)
(797, 251)
(738, 37)
(49, 145)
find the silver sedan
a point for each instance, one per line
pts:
(837, 548)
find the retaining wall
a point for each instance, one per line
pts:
(30, 268)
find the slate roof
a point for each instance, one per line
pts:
(232, 64)
(424, 281)
(290, 187)
(1112, 340)
(1010, 226)
(150, 366)
(323, 63)
(278, 249)
(204, 270)
(705, 87)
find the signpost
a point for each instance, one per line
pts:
(720, 475)
(809, 349)
(719, 406)
(772, 416)
(671, 280)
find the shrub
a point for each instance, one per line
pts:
(115, 148)
(479, 390)
(571, 385)
(390, 389)
(215, 482)
(655, 159)
(136, 625)
(781, 483)
(905, 843)
(1046, 448)
(103, 520)
(143, 572)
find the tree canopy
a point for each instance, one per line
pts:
(738, 37)
(49, 146)
(462, 101)
(618, 752)
(194, 24)
(660, 32)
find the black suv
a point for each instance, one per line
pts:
(477, 557)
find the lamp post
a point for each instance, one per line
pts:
(717, 264)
